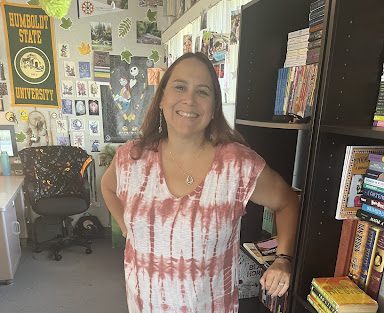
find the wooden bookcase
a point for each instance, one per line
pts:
(310, 156)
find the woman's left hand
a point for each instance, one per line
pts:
(276, 278)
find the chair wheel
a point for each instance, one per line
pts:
(57, 257)
(88, 251)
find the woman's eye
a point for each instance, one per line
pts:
(180, 88)
(203, 92)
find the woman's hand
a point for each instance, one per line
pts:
(277, 277)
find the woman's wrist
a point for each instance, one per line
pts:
(282, 256)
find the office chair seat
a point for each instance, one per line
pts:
(64, 206)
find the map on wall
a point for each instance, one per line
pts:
(126, 100)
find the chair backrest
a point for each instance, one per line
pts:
(55, 171)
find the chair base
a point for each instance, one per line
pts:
(65, 239)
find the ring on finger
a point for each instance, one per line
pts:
(281, 284)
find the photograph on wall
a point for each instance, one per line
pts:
(219, 47)
(3, 89)
(93, 107)
(148, 33)
(101, 66)
(66, 106)
(76, 124)
(78, 139)
(187, 43)
(67, 88)
(61, 126)
(81, 88)
(95, 145)
(32, 57)
(197, 44)
(63, 141)
(84, 69)
(94, 127)
(150, 3)
(93, 89)
(235, 27)
(1, 104)
(154, 75)
(80, 108)
(88, 8)
(64, 51)
(101, 36)
(69, 69)
(126, 100)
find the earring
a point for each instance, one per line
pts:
(160, 124)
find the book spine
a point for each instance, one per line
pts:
(346, 244)
(299, 32)
(374, 188)
(314, 36)
(317, 304)
(374, 182)
(372, 202)
(368, 217)
(358, 250)
(369, 248)
(376, 157)
(374, 174)
(373, 210)
(373, 254)
(330, 304)
(373, 194)
(373, 285)
(377, 166)
(317, 4)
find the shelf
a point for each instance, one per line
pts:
(273, 124)
(367, 131)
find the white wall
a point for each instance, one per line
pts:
(80, 31)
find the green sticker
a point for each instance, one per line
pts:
(66, 23)
(126, 56)
(151, 15)
(154, 56)
(124, 27)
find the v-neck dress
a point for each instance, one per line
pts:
(181, 253)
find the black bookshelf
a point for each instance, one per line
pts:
(351, 55)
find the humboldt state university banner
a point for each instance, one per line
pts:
(31, 58)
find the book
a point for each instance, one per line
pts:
(360, 240)
(268, 246)
(344, 295)
(369, 217)
(256, 254)
(317, 304)
(355, 164)
(346, 244)
(374, 174)
(376, 203)
(373, 284)
(373, 235)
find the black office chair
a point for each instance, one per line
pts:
(57, 187)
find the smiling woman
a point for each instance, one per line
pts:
(178, 194)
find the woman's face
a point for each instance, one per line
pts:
(188, 99)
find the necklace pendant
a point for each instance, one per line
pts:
(189, 180)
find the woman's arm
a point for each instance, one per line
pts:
(108, 189)
(273, 192)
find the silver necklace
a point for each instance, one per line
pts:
(189, 180)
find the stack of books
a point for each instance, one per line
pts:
(263, 251)
(297, 48)
(378, 119)
(339, 294)
(316, 18)
(274, 304)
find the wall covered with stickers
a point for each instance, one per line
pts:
(212, 28)
(85, 79)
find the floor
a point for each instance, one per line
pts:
(78, 283)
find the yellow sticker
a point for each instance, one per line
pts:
(24, 115)
(84, 48)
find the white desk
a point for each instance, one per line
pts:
(11, 200)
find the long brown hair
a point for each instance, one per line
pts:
(217, 132)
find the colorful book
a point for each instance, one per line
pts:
(373, 202)
(344, 295)
(360, 241)
(346, 244)
(256, 254)
(369, 217)
(317, 304)
(355, 165)
(374, 281)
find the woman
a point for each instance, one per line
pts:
(178, 194)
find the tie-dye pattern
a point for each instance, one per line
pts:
(181, 254)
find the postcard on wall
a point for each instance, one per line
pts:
(81, 88)
(94, 127)
(95, 145)
(64, 50)
(67, 88)
(101, 36)
(61, 126)
(93, 107)
(78, 139)
(62, 141)
(150, 3)
(101, 66)
(88, 8)
(93, 89)
(235, 27)
(148, 33)
(84, 69)
(77, 124)
(69, 69)
(80, 107)
(66, 106)
(187, 43)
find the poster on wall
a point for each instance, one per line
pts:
(87, 8)
(31, 57)
(126, 100)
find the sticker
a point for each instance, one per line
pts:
(154, 56)
(84, 48)
(126, 56)
(151, 15)
(24, 115)
(66, 23)
(11, 117)
(64, 51)
(20, 137)
(124, 27)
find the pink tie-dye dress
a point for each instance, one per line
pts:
(181, 254)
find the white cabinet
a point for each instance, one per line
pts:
(10, 251)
